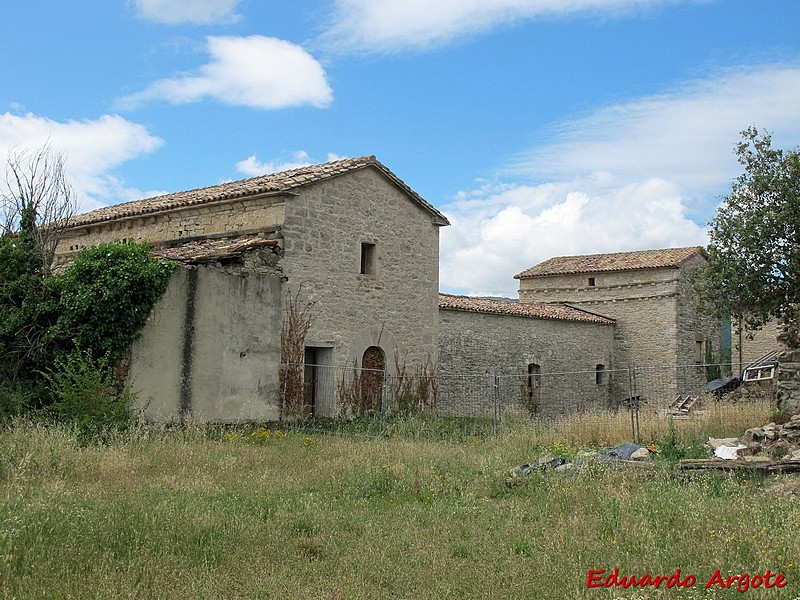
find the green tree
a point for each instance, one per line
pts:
(60, 334)
(36, 202)
(753, 269)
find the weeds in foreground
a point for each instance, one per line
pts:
(250, 512)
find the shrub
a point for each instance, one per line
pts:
(86, 397)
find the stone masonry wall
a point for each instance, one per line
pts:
(696, 331)
(754, 344)
(658, 325)
(473, 345)
(644, 303)
(395, 306)
(234, 217)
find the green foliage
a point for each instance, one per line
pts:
(713, 371)
(96, 308)
(27, 310)
(106, 297)
(753, 265)
(673, 447)
(86, 396)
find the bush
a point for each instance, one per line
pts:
(674, 447)
(96, 308)
(86, 397)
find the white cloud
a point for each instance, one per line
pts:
(627, 177)
(256, 71)
(393, 25)
(252, 167)
(197, 12)
(686, 134)
(92, 148)
(484, 249)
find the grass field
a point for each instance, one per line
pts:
(422, 512)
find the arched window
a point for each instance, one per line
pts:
(373, 365)
(534, 387)
(600, 374)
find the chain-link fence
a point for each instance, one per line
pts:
(670, 391)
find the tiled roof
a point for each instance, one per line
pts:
(274, 183)
(210, 250)
(618, 261)
(492, 306)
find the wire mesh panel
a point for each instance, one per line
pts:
(410, 393)
(344, 392)
(330, 391)
(553, 395)
(660, 387)
(465, 395)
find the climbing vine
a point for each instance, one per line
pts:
(105, 298)
(91, 312)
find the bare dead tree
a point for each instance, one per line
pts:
(37, 200)
(298, 318)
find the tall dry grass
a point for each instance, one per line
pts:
(605, 428)
(423, 513)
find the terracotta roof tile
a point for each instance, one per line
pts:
(560, 312)
(274, 183)
(210, 250)
(618, 261)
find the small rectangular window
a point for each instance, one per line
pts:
(591, 282)
(699, 351)
(367, 258)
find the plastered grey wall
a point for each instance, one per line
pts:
(472, 345)
(211, 349)
(156, 357)
(395, 307)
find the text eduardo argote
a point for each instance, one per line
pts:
(600, 578)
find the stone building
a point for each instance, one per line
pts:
(648, 294)
(358, 246)
(750, 346)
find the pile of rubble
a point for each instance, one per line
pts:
(624, 453)
(770, 442)
(770, 448)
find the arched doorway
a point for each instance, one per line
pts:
(373, 365)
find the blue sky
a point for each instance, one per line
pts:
(540, 127)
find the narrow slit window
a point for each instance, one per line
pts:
(600, 374)
(367, 258)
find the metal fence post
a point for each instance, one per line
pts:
(497, 420)
(631, 398)
(384, 400)
(282, 408)
(633, 394)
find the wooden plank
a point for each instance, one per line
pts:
(713, 464)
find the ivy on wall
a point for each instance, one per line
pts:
(93, 310)
(105, 298)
